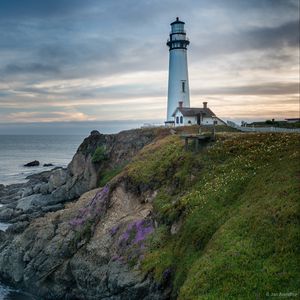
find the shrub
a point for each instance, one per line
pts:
(99, 155)
(107, 175)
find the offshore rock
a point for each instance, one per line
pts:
(32, 164)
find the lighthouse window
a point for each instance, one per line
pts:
(177, 120)
(181, 119)
(183, 86)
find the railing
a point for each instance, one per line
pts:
(262, 129)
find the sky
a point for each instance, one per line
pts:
(74, 65)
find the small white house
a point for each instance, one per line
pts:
(184, 116)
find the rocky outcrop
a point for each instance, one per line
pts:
(48, 165)
(62, 247)
(49, 190)
(84, 251)
(32, 164)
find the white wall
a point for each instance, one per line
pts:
(192, 119)
(178, 71)
(185, 120)
(207, 121)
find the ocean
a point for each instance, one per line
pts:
(17, 150)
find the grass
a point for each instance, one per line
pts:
(99, 155)
(238, 205)
(108, 174)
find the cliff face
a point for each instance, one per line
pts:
(75, 250)
(83, 174)
(172, 224)
(48, 191)
(83, 251)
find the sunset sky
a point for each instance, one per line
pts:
(89, 60)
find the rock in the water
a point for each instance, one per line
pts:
(48, 165)
(32, 164)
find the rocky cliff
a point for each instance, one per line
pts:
(62, 248)
(221, 223)
(48, 191)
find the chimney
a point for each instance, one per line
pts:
(180, 104)
(204, 104)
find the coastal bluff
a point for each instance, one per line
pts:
(40, 242)
(142, 215)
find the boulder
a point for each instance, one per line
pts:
(58, 178)
(44, 188)
(48, 165)
(32, 164)
(33, 202)
(27, 192)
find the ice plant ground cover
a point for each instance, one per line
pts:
(238, 205)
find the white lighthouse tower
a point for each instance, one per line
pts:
(178, 88)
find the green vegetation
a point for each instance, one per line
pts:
(108, 174)
(237, 209)
(99, 155)
(274, 123)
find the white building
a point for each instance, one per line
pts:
(179, 112)
(184, 116)
(178, 87)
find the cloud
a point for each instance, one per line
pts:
(109, 58)
(38, 68)
(273, 88)
(34, 116)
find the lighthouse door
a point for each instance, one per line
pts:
(198, 119)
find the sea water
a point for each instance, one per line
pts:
(17, 150)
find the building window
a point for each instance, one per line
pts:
(183, 86)
(177, 120)
(181, 120)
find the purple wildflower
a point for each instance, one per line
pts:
(94, 209)
(131, 242)
(114, 230)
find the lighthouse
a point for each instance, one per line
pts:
(178, 86)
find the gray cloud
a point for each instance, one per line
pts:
(261, 38)
(38, 68)
(272, 88)
(55, 40)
